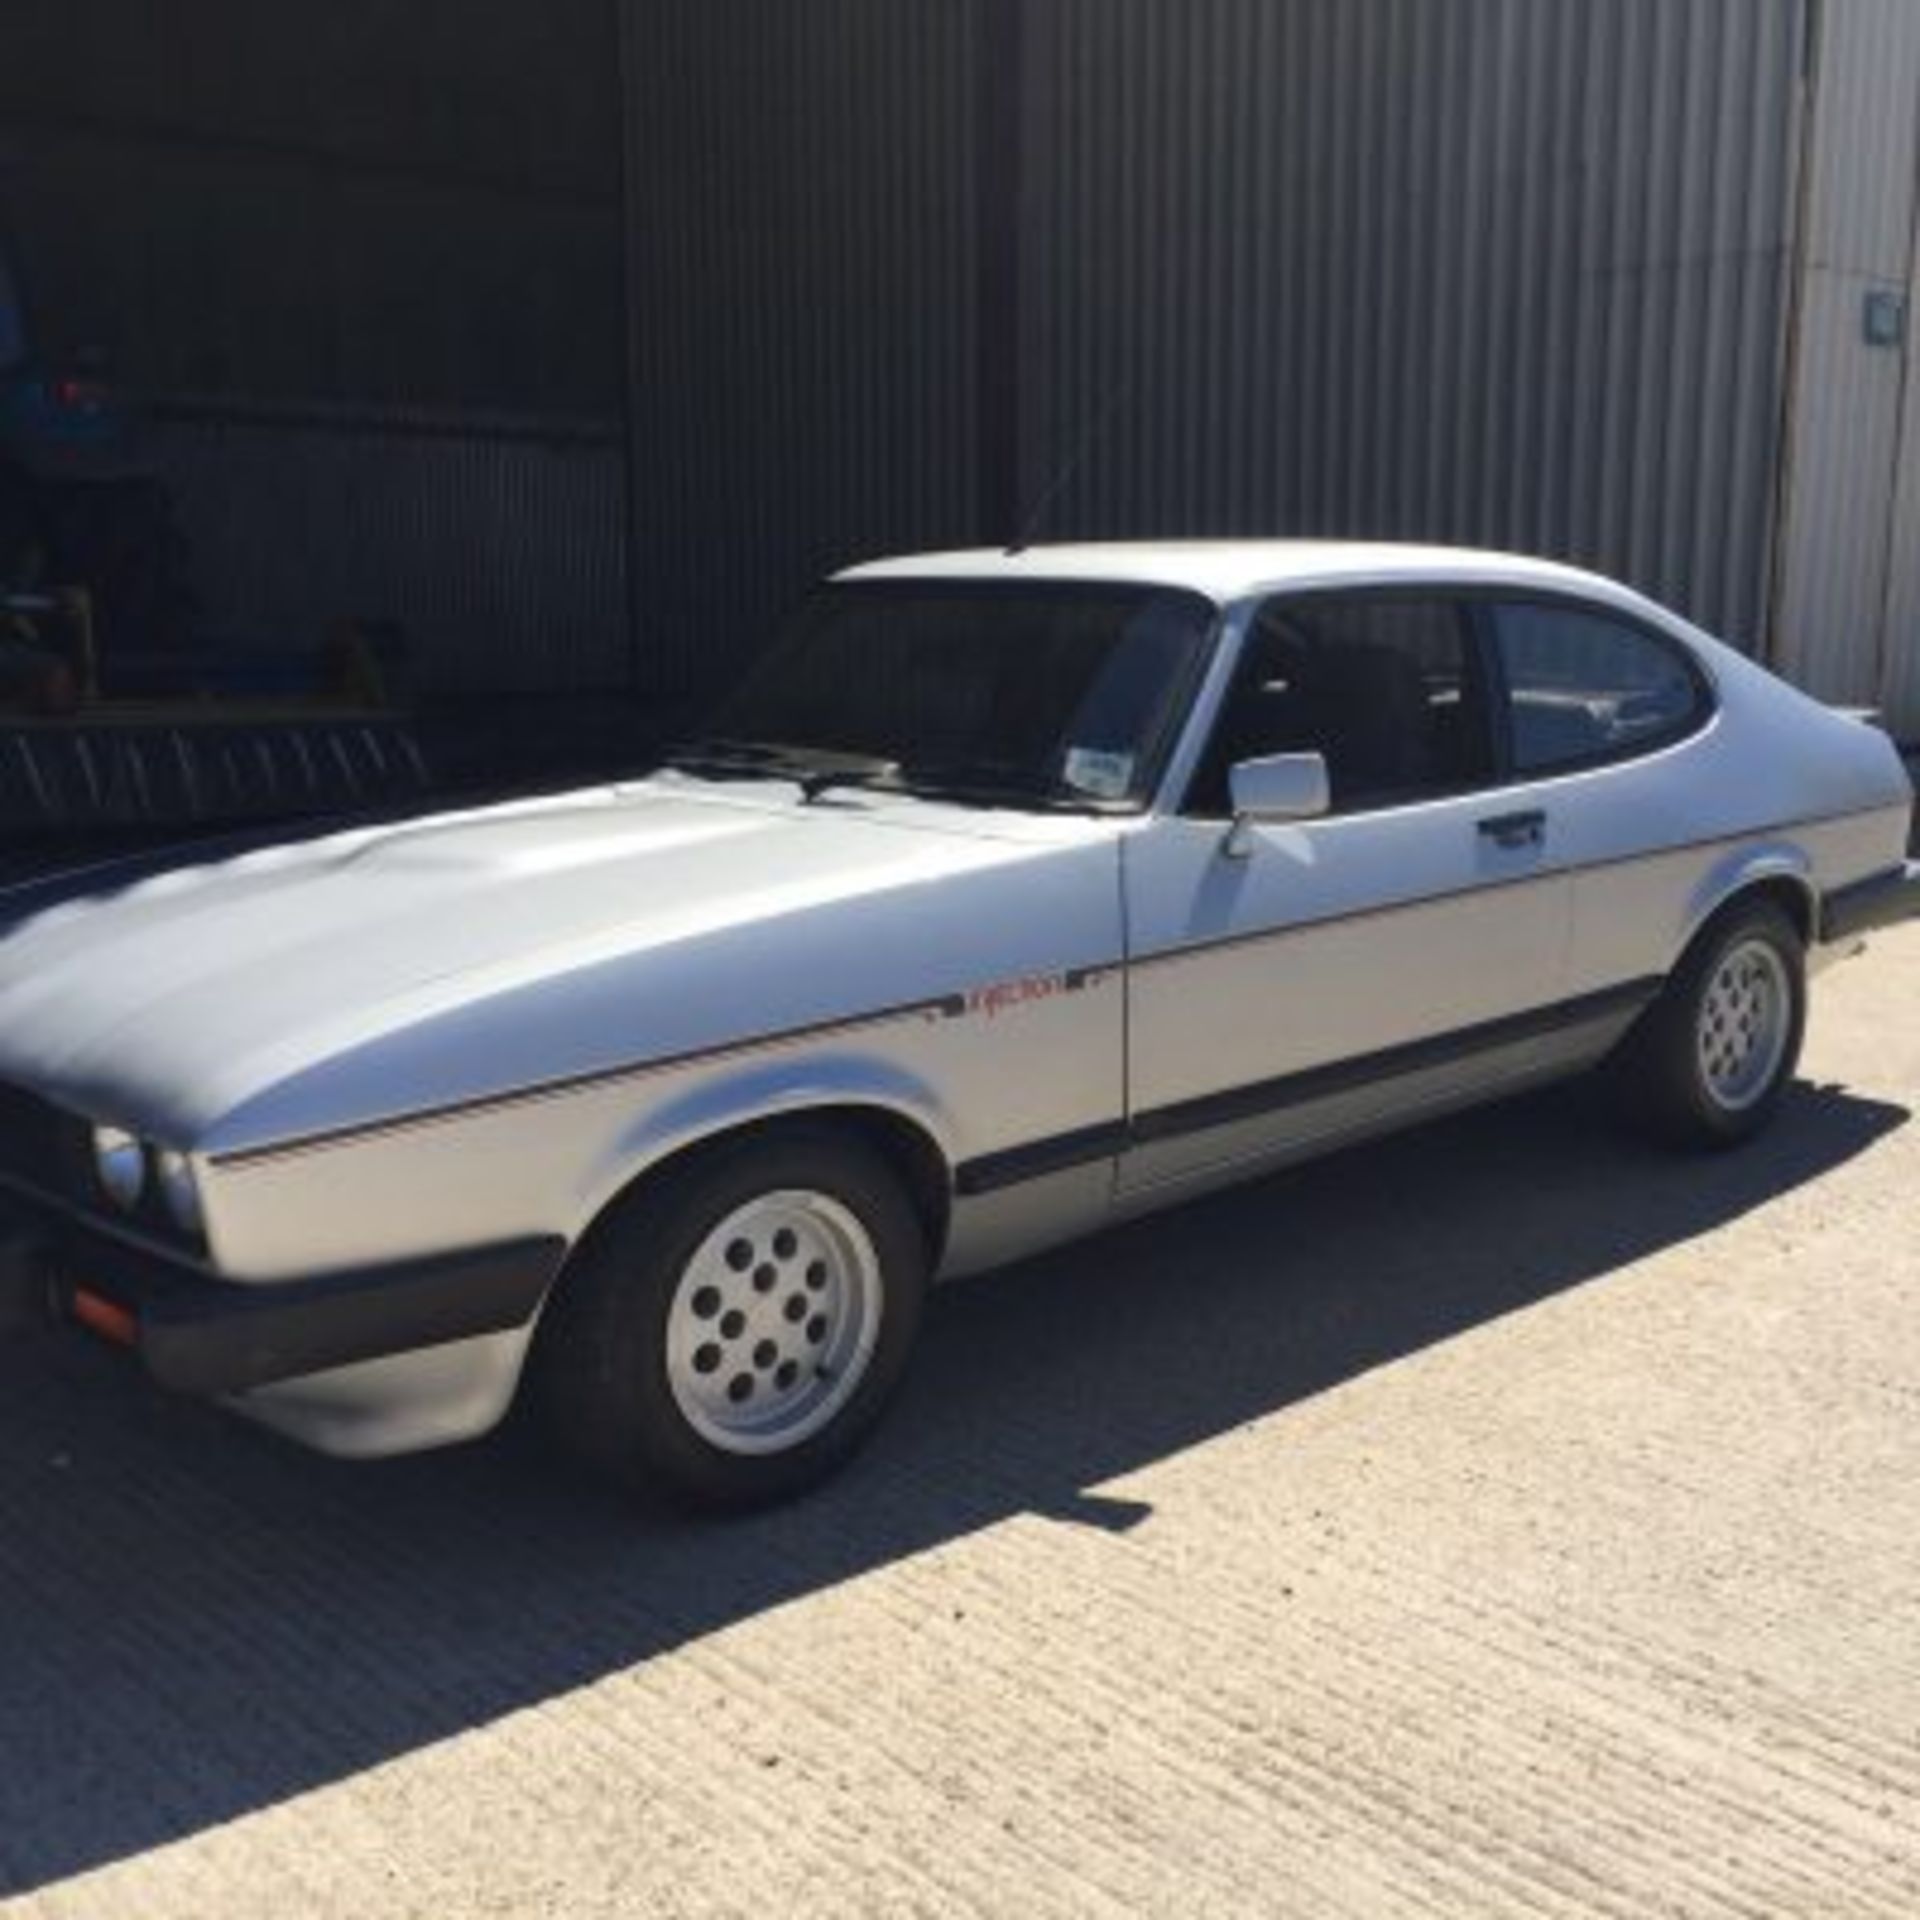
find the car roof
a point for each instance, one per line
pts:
(1224, 571)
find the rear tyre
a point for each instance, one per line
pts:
(1710, 1060)
(728, 1336)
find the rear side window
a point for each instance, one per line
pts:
(1583, 687)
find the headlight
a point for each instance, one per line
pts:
(179, 1189)
(120, 1165)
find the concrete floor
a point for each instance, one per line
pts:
(1507, 1520)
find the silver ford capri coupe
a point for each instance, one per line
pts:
(1008, 896)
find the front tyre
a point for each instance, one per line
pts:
(1710, 1060)
(728, 1335)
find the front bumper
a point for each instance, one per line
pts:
(1870, 905)
(201, 1335)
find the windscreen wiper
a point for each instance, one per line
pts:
(993, 783)
(868, 773)
(814, 773)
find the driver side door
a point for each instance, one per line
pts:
(1307, 981)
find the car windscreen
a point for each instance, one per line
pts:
(1052, 694)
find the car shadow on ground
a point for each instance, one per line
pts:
(197, 1622)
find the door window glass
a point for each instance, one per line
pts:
(1384, 688)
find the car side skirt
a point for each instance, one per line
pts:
(1605, 1014)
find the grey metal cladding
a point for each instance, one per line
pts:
(362, 263)
(1503, 271)
(803, 303)
(1848, 608)
(521, 97)
(354, 204)
(496, 545)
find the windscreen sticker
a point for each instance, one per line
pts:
(1096, 772)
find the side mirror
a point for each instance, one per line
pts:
(1286, 786)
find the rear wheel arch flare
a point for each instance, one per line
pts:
(1794, 897)
(1708, 1062)
(1781, 876)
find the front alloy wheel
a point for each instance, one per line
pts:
(729, 1333)
(774, 1322)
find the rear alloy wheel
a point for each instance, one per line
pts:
(728, 1335)
(1711, 1058)
(1744, 1025)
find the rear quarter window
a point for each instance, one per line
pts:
(1584, 687)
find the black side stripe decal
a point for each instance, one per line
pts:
(1087, 1145)
(946, 1007)
(958, 1006)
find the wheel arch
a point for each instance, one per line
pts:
(599, 1368)
(1659, 1071)
(1779, 872)
(892, 1120)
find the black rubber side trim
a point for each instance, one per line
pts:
(1882, 900)
(201, 1335)
(1035, 1161)
(1085, 1145)
(1391, 1063)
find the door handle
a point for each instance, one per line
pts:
(1515, 829)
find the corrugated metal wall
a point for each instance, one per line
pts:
(1502, 271)
(1898, 672)
(803, 273)
(363, 264)
(1509, 271)
(1850, 546)
(497, 545)
(370, 203)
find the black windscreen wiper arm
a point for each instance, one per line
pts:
(813, 773)
(868, 774)
(993, 783)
